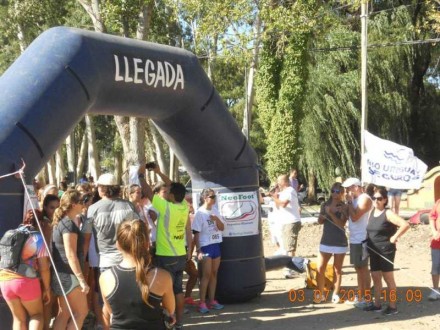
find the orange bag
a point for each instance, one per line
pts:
(312, 273)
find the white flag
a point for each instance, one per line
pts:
(392, 165)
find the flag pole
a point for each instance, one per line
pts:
(364, 103)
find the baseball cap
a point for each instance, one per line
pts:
(107, 179)
(351, 182)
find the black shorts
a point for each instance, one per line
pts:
(379, 263)
(175, 266)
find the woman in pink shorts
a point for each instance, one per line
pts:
(21, 289)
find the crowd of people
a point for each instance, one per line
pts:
(355, 219)
(118, 256)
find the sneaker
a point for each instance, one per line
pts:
(289, 274)
(336, 299)
(318, 298)
(216, 305)
(390, 311)
(178, 326)
(362, 304)
(190, 301)
(373, 308)
(352, 302)
(433, 296)
(203, 308)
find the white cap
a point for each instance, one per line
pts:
(107, 179)
(351, 182)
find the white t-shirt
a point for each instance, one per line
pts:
(150, 221)
(290, 213)
(202, 223)
(358, 229)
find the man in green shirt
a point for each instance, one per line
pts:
(173, 234)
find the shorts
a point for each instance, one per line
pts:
(68, 281)
(25, 289)
(211, 251)
(435, 256)
(378, 263)
(356, 256)
(175, 266)
(289, 234)
(333, 249)
(394, 193)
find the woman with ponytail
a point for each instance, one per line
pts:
(68, 256)
(136, 294)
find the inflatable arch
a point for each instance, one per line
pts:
(66, 73)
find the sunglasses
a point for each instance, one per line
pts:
(379, 199)
(337, 191)
(212, 196)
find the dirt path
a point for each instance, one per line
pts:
(274, 310)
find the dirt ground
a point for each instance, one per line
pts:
(274, 310)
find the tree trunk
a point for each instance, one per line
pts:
(144, 21)
(81, 157)
(250, 91)
(51, 170)
(118, 166)
(311, 191)
(93, 11)
(92, 153)
(137, 141)
(174, 166)
(160, 152)
(60, 170)
(149, 145)
(70, 150)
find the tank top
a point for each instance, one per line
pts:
(379, 231)
(332, 234)
(129, 311)
(357, 229)
(171, 224)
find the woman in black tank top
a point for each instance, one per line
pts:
(383, 229)
(134, 294)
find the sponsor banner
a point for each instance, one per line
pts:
(392, 165)
(240, 212)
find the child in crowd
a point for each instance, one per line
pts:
(207, 227)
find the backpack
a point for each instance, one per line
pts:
(11, 248)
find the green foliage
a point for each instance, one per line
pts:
(120, 16)
(27, 18)
(282, 79)
(330, 129)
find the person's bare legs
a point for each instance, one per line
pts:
(180, 306)
(206, 275)
(323, 259)
(47, 312)
(435, 281)
(20, 311)
(397, 204)
(391, 287)
(364, 280)
(377, 281)
(78, 303)
(193, 276)
(338, 262)
(213, 278)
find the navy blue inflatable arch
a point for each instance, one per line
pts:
(66, 73)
